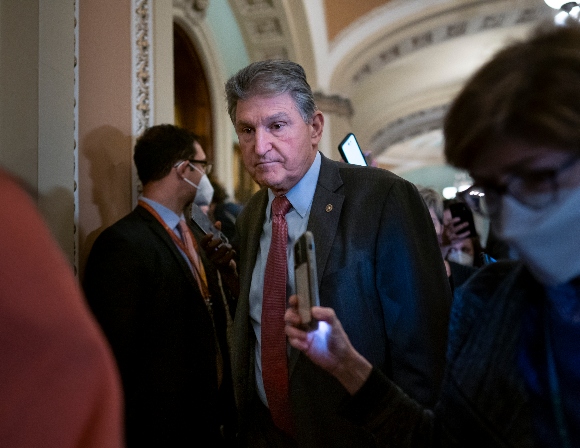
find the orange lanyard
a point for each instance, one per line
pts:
(194, 263)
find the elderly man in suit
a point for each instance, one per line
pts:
(164, 317)
(374, 242)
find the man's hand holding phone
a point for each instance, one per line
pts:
(222, 255)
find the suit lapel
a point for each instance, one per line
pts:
(252, 244)
(158, 229)
(325, 213)
(323, 223)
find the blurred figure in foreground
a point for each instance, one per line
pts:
(513, 359)
(58, 380)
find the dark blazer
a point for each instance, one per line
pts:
(149, 305)
(484, 402)
(380, 268)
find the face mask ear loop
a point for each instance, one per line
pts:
(190, 182)
(197, 169)
(184, 178)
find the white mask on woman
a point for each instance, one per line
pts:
(547, 240)
(458, 256)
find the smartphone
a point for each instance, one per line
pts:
(462, 210)
(202, 221)
(350, 151)
(306, 279)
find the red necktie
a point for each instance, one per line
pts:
(274, 354)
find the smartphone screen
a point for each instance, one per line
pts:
(461, 210)
(202, 221)
(350, 151)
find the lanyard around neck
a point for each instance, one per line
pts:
(203, 286)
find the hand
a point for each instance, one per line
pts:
(222, 256)
(453, 231)
(328, 346)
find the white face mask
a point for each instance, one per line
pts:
(204, 193)
(458, 256)
(546, 240)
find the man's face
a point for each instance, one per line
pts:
(277, 146)
(464, 245)
(194, 175)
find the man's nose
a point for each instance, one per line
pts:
(263, 142)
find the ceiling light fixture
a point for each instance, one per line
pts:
(563, 5)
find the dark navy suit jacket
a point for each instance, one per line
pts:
(380, 268)
(149, 305)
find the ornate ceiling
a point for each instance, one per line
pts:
(391, 68)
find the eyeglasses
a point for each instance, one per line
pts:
(534, 189)
(207, 167)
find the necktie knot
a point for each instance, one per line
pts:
(280, 206)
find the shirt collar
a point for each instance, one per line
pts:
(167, 215)
(301, 194)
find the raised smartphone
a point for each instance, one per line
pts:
(202, 221)
(462, 210)
(306, 279)
(350, 151)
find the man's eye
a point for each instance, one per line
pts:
(277, 126)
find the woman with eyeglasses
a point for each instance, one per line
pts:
(513, 360)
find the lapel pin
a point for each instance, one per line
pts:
(328, 208)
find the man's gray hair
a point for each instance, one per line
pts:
(271, 78)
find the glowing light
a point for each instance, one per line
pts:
(476, 193)
(557, 4)
(560, 18)
(323, 329)
(449, 192)
(319, 341)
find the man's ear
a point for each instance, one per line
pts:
(182, 167)
(317, 127)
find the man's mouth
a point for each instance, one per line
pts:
(264, 163)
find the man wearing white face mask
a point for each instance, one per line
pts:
(160, 304)
(204, 188)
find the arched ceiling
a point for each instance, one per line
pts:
(397, 63)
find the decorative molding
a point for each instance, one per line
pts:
(265, 28)
(444, 33)
(194, 10)
(142, 65)
(407, 127)
(142, 78)
(334, 104)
